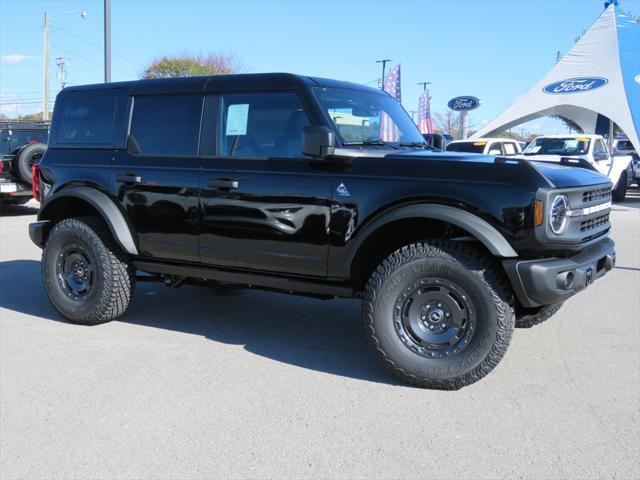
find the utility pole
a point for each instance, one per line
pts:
(62, 74)
(45, 93)
(107, 41)
(424, 85)
(522, 134)
(413, 112)
(463, 125)
(384, 65)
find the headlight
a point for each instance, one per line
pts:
(558, 215)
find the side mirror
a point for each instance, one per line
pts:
(318, 142)
(495, 151)
(601, 156)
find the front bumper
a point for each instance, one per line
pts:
(552, 280)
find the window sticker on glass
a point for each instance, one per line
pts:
(237, 119)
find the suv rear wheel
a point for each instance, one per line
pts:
(27, 158)
(438, 314)
(88, 278)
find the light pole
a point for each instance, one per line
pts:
(107, 41)
(45, 92)
(424, 85)
(384, 64)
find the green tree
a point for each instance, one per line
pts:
(188, 65)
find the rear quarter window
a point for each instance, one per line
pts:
(89, 121)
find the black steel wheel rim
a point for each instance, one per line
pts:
(75, 272)
(435, 318)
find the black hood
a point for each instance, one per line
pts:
(554, 174)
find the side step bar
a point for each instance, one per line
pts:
(258, 280)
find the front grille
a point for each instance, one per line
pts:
(595, 222)
(598, 194)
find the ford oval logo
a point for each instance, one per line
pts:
(463, 103)
(575, 85)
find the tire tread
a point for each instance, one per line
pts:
(483, 268)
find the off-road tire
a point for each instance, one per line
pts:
(113, 275)
(620, 192)
(26, 158)
(461, 265)
(535, 316)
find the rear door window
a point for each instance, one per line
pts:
(167, 124)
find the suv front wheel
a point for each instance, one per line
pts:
(88, 278)
(439, 314)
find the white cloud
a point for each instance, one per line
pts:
(16, 58)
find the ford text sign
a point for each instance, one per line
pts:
(575, 85)
(461, 104)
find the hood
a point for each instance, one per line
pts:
(566, 176)
(552, 172)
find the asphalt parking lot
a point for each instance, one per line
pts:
(194, 383)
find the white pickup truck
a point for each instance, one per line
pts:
(587, 151)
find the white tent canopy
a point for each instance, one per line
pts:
(600, 75)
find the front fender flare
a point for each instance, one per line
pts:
(110, 213)
(486, 233)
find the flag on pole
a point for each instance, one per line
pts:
(388, 130)
(425, 122)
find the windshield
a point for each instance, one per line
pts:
(9, 143)
(467, 147)
(558, 146)
(365, 117)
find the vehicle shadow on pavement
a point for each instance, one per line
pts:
(320, 335)
(21, 289)
(17, 210)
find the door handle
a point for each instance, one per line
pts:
(223, 184)
(129, 178)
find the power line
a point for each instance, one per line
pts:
(80, 57)
(88, 42)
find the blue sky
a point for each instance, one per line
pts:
(496, 50)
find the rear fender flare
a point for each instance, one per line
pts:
(107, 208)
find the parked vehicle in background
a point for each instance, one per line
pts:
(587, 151)
(437, 141)
(623, 146)
(21, 145)
(249, 180)
(488, 146)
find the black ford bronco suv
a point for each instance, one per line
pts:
(315, 187)
(21, 145)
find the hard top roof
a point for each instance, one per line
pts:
(221, 83)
